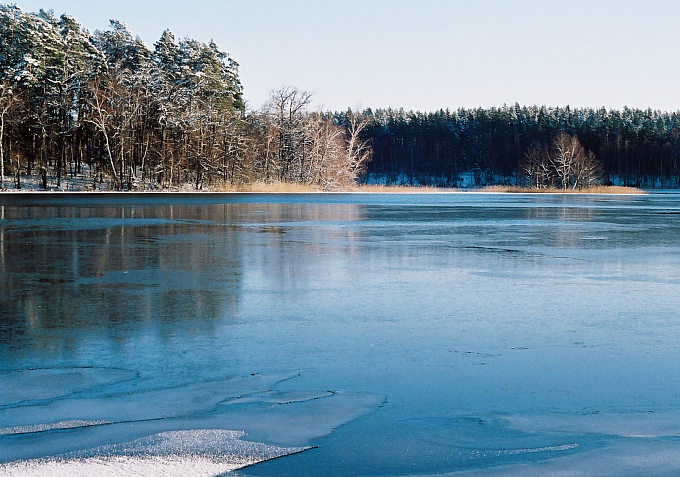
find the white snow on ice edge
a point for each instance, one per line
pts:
(121, 466)
(191, 453)
(61, 425)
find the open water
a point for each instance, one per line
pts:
(181, 334)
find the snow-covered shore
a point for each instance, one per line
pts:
(33, 185)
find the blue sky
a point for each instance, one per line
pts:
(426, 54)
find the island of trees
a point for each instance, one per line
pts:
(105, 107)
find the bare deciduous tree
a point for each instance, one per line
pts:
(565, 151)
(534, 166)
(287, 106)
(565, 164)
(294, 145)
(587, 170)
(359, 151)
(102, 101)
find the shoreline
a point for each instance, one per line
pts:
(595, 189)
(359, 190)
(81, 185)
(228, 193)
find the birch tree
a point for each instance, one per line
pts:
(573, 165)
(6, 101)
(534, 166)
(287, 106)
(105, 103)
(587, 170)
(359, 151)
(564, 164)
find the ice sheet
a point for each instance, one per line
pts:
(297, 422)
(625, 459)
(489, 435)
(551, 320)
(643, 424)
(587, 443)
(83, 223)
(251, 403)
(141, 405)
(47, 383)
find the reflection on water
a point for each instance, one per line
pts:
(107, 275)
(74, 268)
(462, 322)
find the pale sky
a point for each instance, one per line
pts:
(425, 54)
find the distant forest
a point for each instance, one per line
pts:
(635, 147)
(106, 107)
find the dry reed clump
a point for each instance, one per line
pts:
(265, 187)
(596, 189)
(396, 189)
(291, 187)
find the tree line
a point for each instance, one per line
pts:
(105, 105)
(634, 147)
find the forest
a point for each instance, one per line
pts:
(105, 107)
(489, 146)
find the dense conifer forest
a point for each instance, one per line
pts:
(106, 107)
(488, 146)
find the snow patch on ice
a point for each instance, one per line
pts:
(534, 450)
(201, 452)
(61, 425)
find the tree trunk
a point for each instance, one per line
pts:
(2, 151)
(18, 178)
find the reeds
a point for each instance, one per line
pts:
(597, 189)
(264, 187)
(396, 189)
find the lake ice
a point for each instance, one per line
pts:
(359, 334)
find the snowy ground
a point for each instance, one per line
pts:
(79, 182)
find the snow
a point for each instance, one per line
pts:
(200, 452)
(78, 182)
(61, 425)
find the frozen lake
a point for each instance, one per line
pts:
(354, 334)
